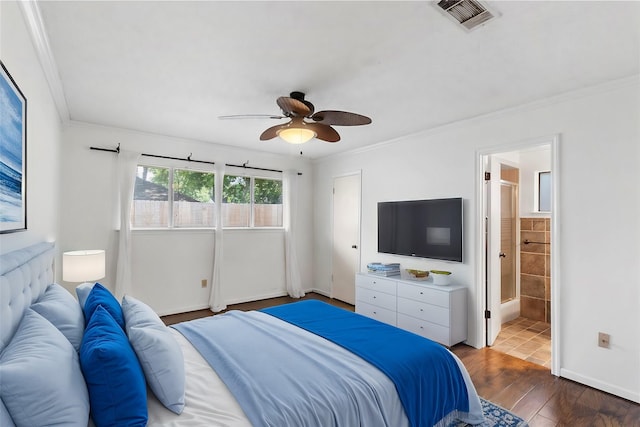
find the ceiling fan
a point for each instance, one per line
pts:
(305, 123)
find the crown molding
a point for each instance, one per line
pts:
(35, 26)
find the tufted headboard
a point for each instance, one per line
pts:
(24, 275)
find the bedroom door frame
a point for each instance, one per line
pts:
(352, 230)
(481, 241)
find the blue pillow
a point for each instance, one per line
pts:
(158, 351)
(100, 295)
(42, 382)
(59, 307)
(117, 390)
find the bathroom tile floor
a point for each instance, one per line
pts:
(526, 339)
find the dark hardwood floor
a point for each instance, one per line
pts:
(527, 389)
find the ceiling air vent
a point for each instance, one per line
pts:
(468, 13)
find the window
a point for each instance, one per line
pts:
(267, 203)
(251, 202)
(236, 201)
(168, 197)
(543, 186)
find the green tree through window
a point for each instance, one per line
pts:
(267, 192)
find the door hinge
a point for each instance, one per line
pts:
(487, 176)
(487, 314)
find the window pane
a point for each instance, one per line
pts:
(236, 201)
(193, 199)
(151, 198)
(544, 191)
(267, 199)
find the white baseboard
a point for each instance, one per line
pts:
(241, 300)
(319, 291)
(256, 297)
(633, 396)
(183, 310)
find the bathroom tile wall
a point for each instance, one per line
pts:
(535, 269)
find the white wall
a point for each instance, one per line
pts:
(43, 132)
(530, 162)
(169, 265)
(598, 224)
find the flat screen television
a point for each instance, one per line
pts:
(421, 228)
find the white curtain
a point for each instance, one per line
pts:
(291, 267)
(215, 297)
(127, 166)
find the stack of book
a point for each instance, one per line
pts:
(391, 269)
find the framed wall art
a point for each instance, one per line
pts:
(13, 155)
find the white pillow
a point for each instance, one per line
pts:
(138, 314)
(60, 308)
(5, 418)
(158, 352)
(42, 383)
(82, 291)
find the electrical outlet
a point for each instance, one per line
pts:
(603, 340)
(204, 283)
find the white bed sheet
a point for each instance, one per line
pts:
(208, 401)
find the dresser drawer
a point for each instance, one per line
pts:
(424, 294)
(374, 283)
(378, 313)
(424, 311)
(426, 329)
(377, 298)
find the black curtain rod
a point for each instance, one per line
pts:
(187, 159)
(244, 165)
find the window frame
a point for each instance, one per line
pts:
(538, 193)
(252, 203)
(170, 198)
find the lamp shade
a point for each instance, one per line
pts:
(296, 135)
(83, 266)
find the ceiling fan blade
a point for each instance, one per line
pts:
(251, 116)
(272, 132)
(324, 132)
(293, 107)
(340, 118)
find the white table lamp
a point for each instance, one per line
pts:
(83, 266)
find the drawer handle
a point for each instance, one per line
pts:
(421, 310)
(421, 327)
(421, 293)
(374, 297)
(375, 312)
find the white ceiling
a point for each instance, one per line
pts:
(172, 68)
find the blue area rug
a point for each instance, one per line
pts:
(495, 416)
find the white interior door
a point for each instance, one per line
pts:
(493, 254)
(346, 237)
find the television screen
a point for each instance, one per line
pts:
(421, 228)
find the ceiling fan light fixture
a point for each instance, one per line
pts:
(296, 135)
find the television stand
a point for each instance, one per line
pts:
(432, 311)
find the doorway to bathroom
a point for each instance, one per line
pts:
(517, 214)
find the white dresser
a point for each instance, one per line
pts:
(435, 312)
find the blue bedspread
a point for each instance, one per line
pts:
(284, 376)
(429, 382)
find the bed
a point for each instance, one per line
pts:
(97, 360)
